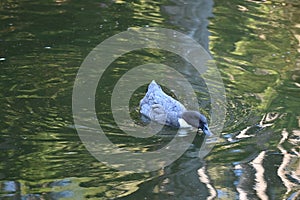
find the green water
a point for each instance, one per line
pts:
(256, 48)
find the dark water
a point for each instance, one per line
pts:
(256, 48)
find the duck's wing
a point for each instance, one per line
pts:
(153, 111)
(158, 114)
(160, 107)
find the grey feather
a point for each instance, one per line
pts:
(163, 109)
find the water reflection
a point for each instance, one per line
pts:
(204, 178)
(285, 170)
(256, 45)
(243, 65)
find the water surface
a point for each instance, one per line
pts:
(256, 48)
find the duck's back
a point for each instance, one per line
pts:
(160, 107)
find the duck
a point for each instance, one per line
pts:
(157, 106)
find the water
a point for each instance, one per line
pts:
(256, 48)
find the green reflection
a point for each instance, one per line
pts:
(256, 46)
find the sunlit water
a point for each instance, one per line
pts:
(256, 48)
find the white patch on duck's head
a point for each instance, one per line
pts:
(183, 123)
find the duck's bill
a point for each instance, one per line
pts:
(206, 131)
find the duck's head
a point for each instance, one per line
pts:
(197, 120)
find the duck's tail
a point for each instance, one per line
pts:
(153, 86)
